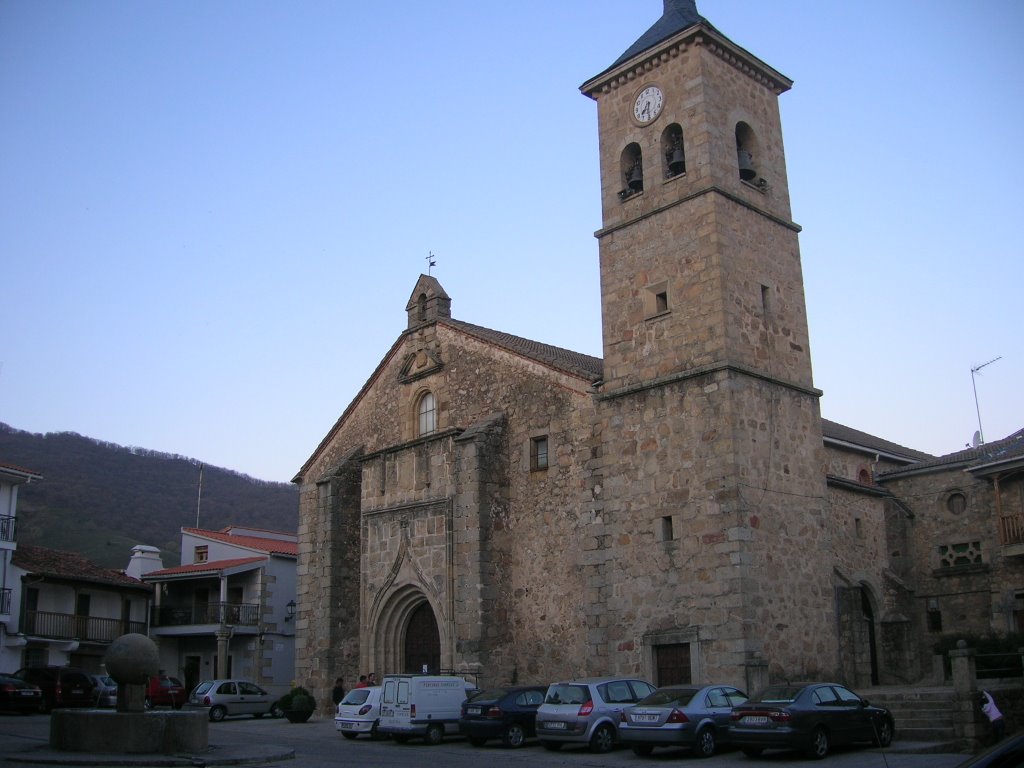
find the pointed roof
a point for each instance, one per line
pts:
(678, 15)
(982, 460)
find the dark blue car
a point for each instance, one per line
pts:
(507, 713)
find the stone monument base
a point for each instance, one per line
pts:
(101, 730)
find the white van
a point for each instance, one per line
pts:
(427, 706)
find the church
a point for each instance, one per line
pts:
(678, 509)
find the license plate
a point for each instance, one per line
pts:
(557, 725)
(76, 690)
(473, 711)
(755, 720)
(645, 718)
(347, 726)
(27, 693)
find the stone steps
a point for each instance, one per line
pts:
(920, 715)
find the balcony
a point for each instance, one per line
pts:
(1011, 534)
(67, 626)
(238, 614)
(8, 529)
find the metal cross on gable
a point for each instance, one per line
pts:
(431, 261)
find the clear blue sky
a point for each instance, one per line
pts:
(212, 214)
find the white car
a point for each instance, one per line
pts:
(359, 712)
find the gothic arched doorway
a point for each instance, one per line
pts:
(422, 651)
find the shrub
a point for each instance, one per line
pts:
(298, 699)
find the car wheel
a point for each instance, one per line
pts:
(603, 740)
(643, 750)
(552, 746)
(276, 711)
(435, 734)
(217, 714)
(883, 733)
(349, 734)
(374, 733)
(752, 751)
(818, 747)
(705, 746)
(514, 736)
(477, 742)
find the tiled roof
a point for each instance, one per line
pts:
(271, 546)
(1007, 449)
(213, 567)
(835, 431)
(16, 470)
(576, 363)
(55, 563)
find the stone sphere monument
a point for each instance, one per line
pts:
(131, 660)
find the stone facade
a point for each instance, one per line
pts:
(677, 509)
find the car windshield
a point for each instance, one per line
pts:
(356, 696)
(203, 687)
(567, 694)
(669, 697)
(779, 694)
(106, 680)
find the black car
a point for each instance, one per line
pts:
(17, 695)
(1005, 754)
(811, 717)
(61, 686)
(508, 714)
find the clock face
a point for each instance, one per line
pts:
(648, 104)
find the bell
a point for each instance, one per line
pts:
(746, 163)
(635, 178)
(676, 161)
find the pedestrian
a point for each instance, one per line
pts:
(338, 692)
(995, 717)
(362, 682)
(371, 679)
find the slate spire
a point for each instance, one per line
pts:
(677, 16)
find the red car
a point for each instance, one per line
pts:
(165, 691)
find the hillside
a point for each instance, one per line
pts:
(101, 499)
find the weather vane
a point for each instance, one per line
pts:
(431, 261)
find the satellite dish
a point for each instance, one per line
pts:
(976, 440)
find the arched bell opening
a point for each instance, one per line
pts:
(632, 165)
(675, 154)
(746, 152)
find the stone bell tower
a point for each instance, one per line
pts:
(711, 434)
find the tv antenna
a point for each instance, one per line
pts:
(979, 438)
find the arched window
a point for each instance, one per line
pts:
(421, 307)
(426, 414)
(675, 156)
(632, 163)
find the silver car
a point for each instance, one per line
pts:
(681, 716)
(105, 690)
(587, 711)
(232, 697)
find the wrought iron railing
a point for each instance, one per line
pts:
(5, 600)
(67, 626)
(8, 526)
(239, 614)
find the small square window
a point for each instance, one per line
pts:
(539, 453)
(667, 534)
(661, 302)
(201, 554)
